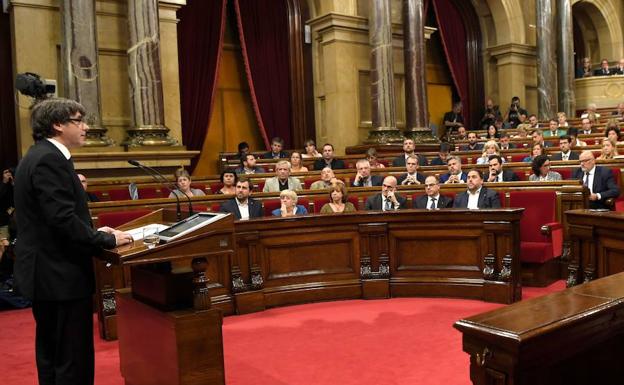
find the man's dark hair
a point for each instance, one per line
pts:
(445, 147)
(573, 131)
(277, 139)
(49, 112)
(243, 179)
(566, 137)
(504, 135)
(477, 171)
(328, 144)
(491, 157)
(242, 146)
(537, 163)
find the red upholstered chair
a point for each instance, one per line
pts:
(502, 198)
(519, 157)
(307, 182)
(215, 207)
(521, 175)
(118, 218)
(150, 193)
(541, 237)
(101, 195)
(121, 194)
(319, 203)
(270, 205)
(566, 173)
(214, 187)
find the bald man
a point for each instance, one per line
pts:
(599, 180)
(388, 199)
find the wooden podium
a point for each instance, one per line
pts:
(169, 333)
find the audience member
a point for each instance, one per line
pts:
(443, 154)
(604, 69)
(575, 141)
(388, 199)
(490, 114)
(7, 205)
(248, 165)
(289, 205)
(282, 179)
(183, 185)
(599, 180)
(455, 174)
(538, 149)
(522, 131)
(477, 196)
(242, 205)
(562, 120)
(310, 150)
(492, 133)
(408, 150)
(243, 149)
(228, 178)
(453, 118)
(432, 200)
(553, 129)
(619, 112)
(586, 127)
(608, 150)
(338, 202)
(497, 174)
(591, 113)
(613, 133)
(461, 133)
(328, 159)
(371, 156)
(585, 70)
(91, 197)
(296, 164)
(538, 138)
(327, 178)
(565, 144)
(541, 170)
(363, 178)
(513, 115)
(533, 122)
(411, 176)
(619, 68)
(490, 148)
(277, 149)
(472, 145)
(505, 143)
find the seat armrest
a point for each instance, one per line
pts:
(548, 228)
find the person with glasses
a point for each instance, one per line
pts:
(541, 170)
(388, 199)
(432, 200)
(598, 179)
(54, 266)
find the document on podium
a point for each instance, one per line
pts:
(138, 233)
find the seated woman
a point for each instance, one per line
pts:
(489, 148)
(183, 185)
(371, 156)
(608, 150)
(289, 205)
(538, 149)
(562, 119)
(492, 133)
(338, 202)
(522, 131)
(541, 170)
(310, 148)
(612, 131)
(229, 179)
(296, 165)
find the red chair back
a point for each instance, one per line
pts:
(150, 193)
(539, 209)
(121, 194)
(270, 205)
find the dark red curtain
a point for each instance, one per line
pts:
(454, 39)
(263, 32)
(200, 36)
(8, 134)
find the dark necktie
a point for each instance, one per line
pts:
(388, 204)
(586, 180)
(432, 206)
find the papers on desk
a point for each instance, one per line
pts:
(137, 234)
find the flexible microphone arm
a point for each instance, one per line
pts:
(158, 177)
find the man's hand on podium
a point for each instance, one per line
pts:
(121, 238)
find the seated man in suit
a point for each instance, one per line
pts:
(598, 179)
(472, 145)
(443, 154)
(411, 176)
(282, 179)
(248, 165)
(604, 69)
(538, 138)
(408, 149)
(586, 127)
(455, 174)
(497, 174)
(504, 142)
(433, 200)
(327, 179)
(242, 206)
(618, 69)
(91, 197)
(477, 196)
(553, 129)
(328, 159)
(387, 200)
(277, 145)
(565, 143)
(363, 178)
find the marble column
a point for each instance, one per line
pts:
(144, 72)
(546, 60)
(416, 111)
(382, 75)
(80, 65)
(565, 58)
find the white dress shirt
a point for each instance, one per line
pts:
(383, 203)
(61, 147)
(430, 200)
(473, 200)
(243, 208)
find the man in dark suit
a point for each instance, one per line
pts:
(599, 180)
(604, 69)
(618, 69)
(472, 145)
(443, 154)
(477, 196)
(412, 176)
(497, 174)
(453, 118)
(408, 149)
(328, 159)
(53, 265)
(387, 200)
(455, 174)
(433, 200)
(363, 178)
(243, 207)
(565, 143)
(505, 143)
(277, 146)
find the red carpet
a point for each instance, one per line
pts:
(395, 341)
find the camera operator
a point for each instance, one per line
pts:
(490, 115)
(513, 115)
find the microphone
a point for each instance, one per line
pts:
(160, 178)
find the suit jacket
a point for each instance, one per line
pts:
(617, 71)
(336, 164)
(257, 170)
(56, 239)
(272, 184)
(442, 203)
(437, 161)
(376, 180)
(443, 178)
(603, 184)
(488, 199)
(508, 176)
(420, 177)
(557, 156)
(478, 147)
(269, 155)
(374, 202)
(399, 161)
(255, 208)
(599, 72)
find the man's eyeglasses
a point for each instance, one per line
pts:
(77, 121)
